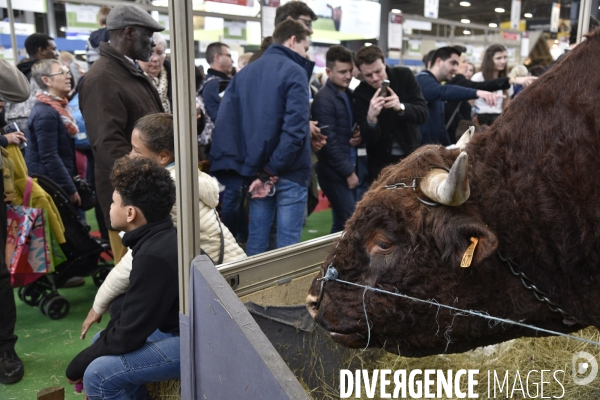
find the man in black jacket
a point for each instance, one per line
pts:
(389, 125)
(332, 107)
(39, 46)
(141, 342)
(114, 94)
(14, 86)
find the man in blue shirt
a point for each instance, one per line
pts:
(262, 138)
(333, 108)
(443, 66)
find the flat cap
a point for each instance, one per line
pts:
(124, 15)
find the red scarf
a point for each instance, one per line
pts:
(60, 104)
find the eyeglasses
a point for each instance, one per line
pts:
(61, 72)
(158, 55)
(307, 21)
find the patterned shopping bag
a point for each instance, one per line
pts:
(27, 254)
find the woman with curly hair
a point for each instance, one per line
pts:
(153, 138)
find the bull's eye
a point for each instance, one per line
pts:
(383, 245)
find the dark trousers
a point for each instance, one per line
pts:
(375, 167)
(342, 199)
(8, 310)
(233, 213)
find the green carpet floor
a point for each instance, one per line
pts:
(47, 346)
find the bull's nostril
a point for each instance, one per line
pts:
(311, 302)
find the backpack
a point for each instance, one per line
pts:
(205, 137)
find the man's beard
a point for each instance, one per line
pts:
(142, 52)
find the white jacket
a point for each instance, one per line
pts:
(117, 281)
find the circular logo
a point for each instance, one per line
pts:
(580, 367)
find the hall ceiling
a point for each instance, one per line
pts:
(482, 12)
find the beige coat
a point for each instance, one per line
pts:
(117, 281)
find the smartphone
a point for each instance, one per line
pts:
(12, 127)
(384, 88)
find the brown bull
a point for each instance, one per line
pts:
(527, 189)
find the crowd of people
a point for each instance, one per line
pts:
(266, 137)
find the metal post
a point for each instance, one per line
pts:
(583, 25)
(13, 35)
(186, 147)
(386, 8)
(51, 18)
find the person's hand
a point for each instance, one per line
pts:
(92, 317)
(375, 107)
(2, 105)
(15, 138)
(352, 181)
(198, 111)
(260, 190)
(392, 101)
(75, 199)
(490, 98)
(523, 80)
(317, 139)
(356, 138)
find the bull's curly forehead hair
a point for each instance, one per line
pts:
(144, 184)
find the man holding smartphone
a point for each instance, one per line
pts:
(332, 107)
(388, 124)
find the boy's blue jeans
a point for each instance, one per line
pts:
(124, 377)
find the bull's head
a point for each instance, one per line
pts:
(411, 239)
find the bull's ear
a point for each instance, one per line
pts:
(487, 243)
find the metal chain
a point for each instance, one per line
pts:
(401, 185)
(539, 294)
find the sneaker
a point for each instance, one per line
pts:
(11, 367)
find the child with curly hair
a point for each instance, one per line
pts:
(141, 342)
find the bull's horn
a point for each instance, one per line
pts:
(465, 138)
(450, 189)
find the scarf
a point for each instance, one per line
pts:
(60, 104)
(162, 87)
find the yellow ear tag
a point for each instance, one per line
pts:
(468, 257)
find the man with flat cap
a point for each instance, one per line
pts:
(115, 94)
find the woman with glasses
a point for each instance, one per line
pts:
(159, 70)
(51, 128)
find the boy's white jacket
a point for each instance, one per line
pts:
(117, 281)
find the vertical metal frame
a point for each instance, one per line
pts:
(186, 142)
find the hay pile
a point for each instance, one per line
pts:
(552, 353)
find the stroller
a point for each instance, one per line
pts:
(86, 255)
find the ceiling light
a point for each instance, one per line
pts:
(396, 11)
(465, 4)
(368, 44)
(556, 41)
(466, 32)
(465, 21)
(493, 25)
(499, 10)
(528, 15)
